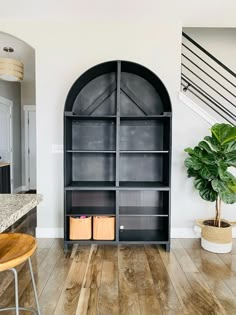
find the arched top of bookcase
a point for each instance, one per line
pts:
(95, 92)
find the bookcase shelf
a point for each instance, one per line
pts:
(144, 185)
(144, 117)
(72, 115)
(90, 151)
(95, 185)
(143, 211)
(90, 211)
(145, 236)
(143, 151)
(117, 153)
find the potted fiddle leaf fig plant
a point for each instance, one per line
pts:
(208, 163)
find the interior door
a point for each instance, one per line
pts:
(32, 149)
(5, 116)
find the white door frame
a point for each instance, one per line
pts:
(27, 109)
(9, 103)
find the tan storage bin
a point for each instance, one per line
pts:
(104, 228)
(80, 229)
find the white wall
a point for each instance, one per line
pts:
(70, 37)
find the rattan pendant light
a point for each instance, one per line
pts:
(11, 69)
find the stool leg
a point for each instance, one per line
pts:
(16, 290)
(34, 286)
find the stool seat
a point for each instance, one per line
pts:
(15, 248)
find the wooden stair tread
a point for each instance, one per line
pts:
(15, 248)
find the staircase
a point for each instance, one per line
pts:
(207, 85)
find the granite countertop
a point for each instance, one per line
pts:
(13, 207)
(2, 164)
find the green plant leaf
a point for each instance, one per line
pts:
(192, 173)
(193, 162)
(228, 197)
(208, 158)
(222, 170)
(188, 162)
(196, 151)
(203, 152)
(208, 171)
(189, 151)
(205, 146)
(230, 146)
(224, 175)
(218, 185)
(232, 183)
(213, 142)
(224, 133)
(232, 187)
(208, 194)
(224, 191)
(200, 183)
(231, 158)
(205, 189)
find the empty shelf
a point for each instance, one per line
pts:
(144, 185)
(143, 151)
(143, 211)
(131, 117)
(143, 235)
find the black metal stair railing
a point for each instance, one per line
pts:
(208, 79)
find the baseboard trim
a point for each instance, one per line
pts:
(185, 232)
(194, 232)
(19, 189)
(49, 232)
(25, 188)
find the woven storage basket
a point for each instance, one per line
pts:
(80, 229)
(104, 228)
(215, 239)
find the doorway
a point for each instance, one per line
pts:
(6, 141)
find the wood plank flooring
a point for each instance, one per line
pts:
(128, 280)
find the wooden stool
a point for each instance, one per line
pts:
(15, 248)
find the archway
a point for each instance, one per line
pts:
(22, 95)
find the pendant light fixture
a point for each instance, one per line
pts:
(11, 69)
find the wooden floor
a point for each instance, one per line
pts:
(125, 280)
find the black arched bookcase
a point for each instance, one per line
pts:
(117, 152)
